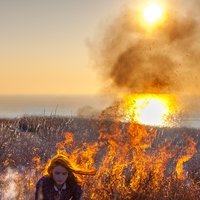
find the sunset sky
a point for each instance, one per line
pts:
(44, 45)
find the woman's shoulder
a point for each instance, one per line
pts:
(74, 186)
(44, 181)
(44, 187)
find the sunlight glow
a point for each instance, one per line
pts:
(152, 13)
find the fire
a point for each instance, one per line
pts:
(189, 152)
(131, 161)
(150, 109)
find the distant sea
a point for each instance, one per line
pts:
(15, 106)
(12, 106)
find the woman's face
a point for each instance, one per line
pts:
(60, 175)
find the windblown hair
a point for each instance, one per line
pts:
(74, 174)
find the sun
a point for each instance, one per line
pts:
(152, 13)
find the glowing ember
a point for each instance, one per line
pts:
(150, 109)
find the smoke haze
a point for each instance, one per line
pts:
(166, 59)
(9, 189)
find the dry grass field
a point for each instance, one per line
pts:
(132, 161)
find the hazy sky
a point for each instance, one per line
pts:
(43, 45)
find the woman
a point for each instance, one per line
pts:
(61, 182)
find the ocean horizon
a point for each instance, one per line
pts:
(12, 106)
(16, 106)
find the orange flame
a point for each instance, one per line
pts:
(129, 163)
(189, 152)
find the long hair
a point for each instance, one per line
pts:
(74, 174)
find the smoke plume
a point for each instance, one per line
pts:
(164, 60)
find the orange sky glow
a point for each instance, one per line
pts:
(44, 45)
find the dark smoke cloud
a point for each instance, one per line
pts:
(167, 60)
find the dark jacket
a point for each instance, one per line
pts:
(45, 190)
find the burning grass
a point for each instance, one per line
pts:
(132, 161)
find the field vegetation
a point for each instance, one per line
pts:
(132, 161)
